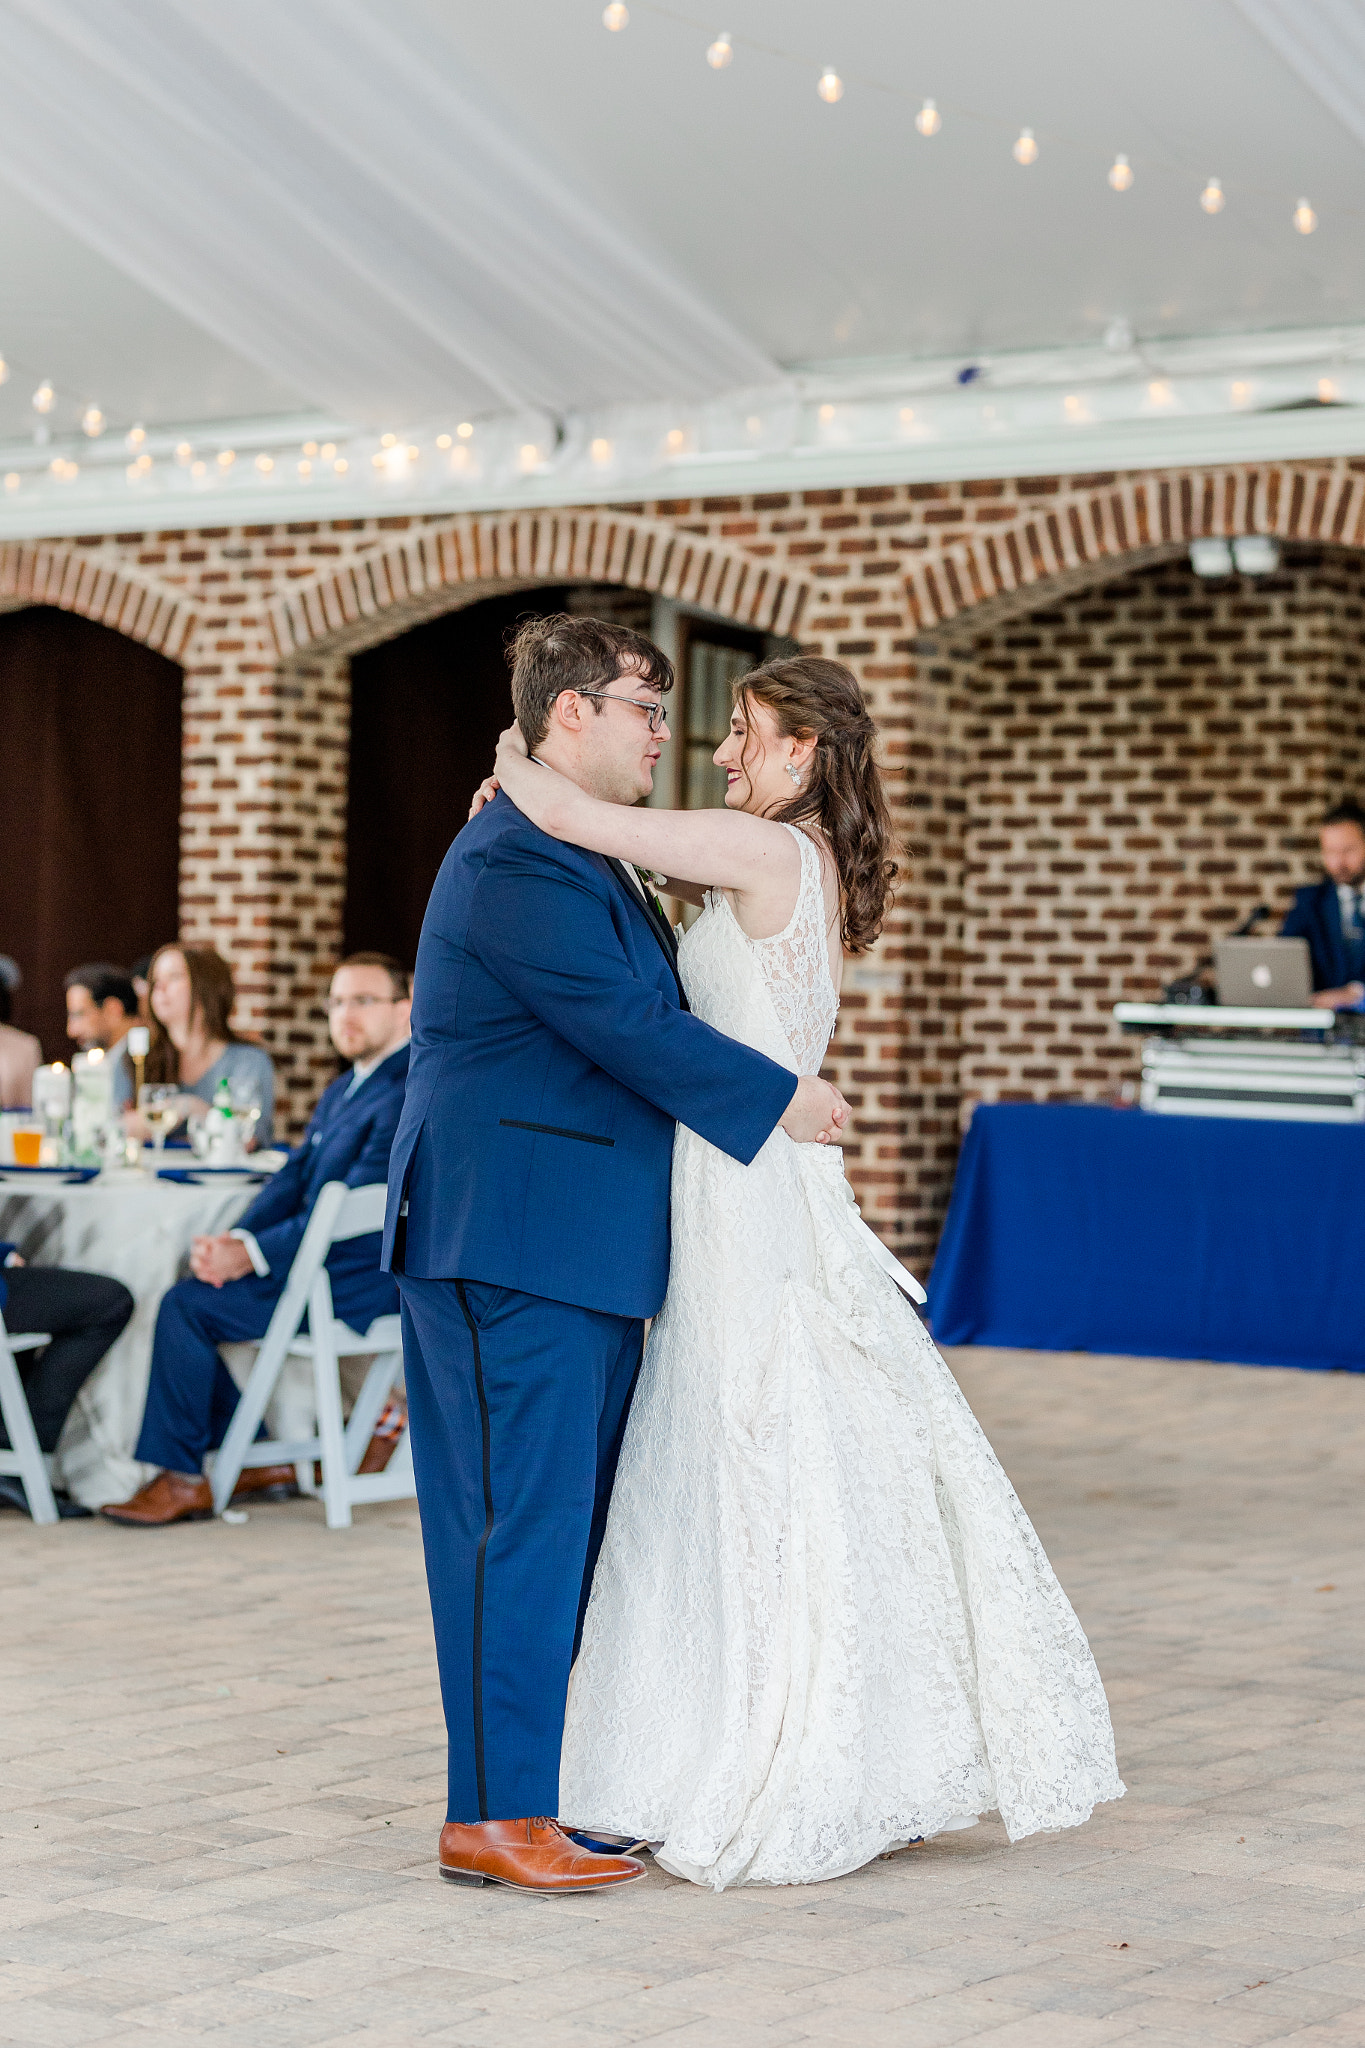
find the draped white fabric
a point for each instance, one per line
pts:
(306, 183)
(1325, 44)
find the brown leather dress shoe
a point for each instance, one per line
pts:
(281, 1479)
(170, 1497)
(530, 1856)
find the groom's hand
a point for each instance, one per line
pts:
(816, 1113)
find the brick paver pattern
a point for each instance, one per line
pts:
(223, 1778)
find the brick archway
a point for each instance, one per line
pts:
(378, 594)
(1059, 534)
(111, 593)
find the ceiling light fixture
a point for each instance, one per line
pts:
(928, 120)
(1026, 148)
(1121, 174)
(1212, 198)
(1305, 220)
(830, 86)
(720, 52)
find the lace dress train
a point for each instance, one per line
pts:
(821, 1623)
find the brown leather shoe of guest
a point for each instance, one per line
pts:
(278, 1479)
(170, 1497)
(378, 1451)
(530, 1856)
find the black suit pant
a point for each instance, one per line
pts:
(83, 1313)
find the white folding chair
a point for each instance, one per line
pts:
(338, 1213)
(24, 1460)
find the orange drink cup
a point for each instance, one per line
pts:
(27, 1147)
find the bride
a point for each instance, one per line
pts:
(821, 1625)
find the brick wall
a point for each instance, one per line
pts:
(1171, 740)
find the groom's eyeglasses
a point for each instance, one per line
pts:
(653, 711)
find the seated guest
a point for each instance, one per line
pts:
(191, 993)
(240, 1275)
(82, 1313)
(20, 1055)
(1330, 914)
(101, 1008)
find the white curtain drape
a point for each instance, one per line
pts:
(317, 191)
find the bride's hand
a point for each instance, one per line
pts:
(484, 794)
(512, 743)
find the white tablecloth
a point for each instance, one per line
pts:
(138, 1230)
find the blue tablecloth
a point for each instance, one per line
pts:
(1074, 1228)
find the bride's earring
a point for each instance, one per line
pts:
(794, 772)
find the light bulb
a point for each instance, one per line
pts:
(443, 440)
(4, 371)
(600, 451)
(1121, 174)
(328, 450)
(12, 480)
(1305, 220)
(226, 457)
(465, 430)
(388, 440)
(459, 458)
(144, 463)
(1241, 392)
(184, 453)
(198, 468)
(907, 415)
(830, 86)
(1159, 391)
(92, 421)
(265, 463)
(44, 397)
(529, 455)
(1327, 391)
(928, 120)
(615, 17)
(305, 467)
(1026, 148)
(134, 438)
(310, 447)
(1074, 406)
(1212, 198)
(341, 465)
(720, 52)
(754, 424)
(674, 440)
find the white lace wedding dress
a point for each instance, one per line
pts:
(821, 1624)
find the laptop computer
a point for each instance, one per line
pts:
(1264, 974)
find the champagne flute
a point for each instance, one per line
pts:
(159, 1102)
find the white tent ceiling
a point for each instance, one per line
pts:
(270, 222)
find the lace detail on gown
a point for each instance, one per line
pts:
(821, 1623)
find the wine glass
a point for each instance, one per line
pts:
(159, 1102)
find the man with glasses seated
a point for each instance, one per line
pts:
(240, 1274)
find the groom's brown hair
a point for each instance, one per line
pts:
(565, 653)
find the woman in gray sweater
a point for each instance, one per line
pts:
(191, 994)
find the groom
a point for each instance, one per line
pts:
(552, 1053)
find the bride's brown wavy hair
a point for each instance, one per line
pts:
(813, 698)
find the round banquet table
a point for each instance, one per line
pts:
(138, 1230)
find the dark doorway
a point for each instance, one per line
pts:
(426, 711)
(90, 764)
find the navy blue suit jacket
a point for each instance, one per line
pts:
(551, 1056)
(348, 1138)
(1316, 916)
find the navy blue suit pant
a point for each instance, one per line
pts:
(517, 1407)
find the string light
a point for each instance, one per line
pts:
(601, 452)
(198, 468)
(720, 52)
(328, 450)
(1121, 174)
(226, 457)
(1159, 391)
(341, 465)
(928, 120)
(388, 440)
(265, 463)
(1026, 148)
(443, 440)
(184, 453)
(1305, 220)
(675, 440)
(4, 371)
(907, 415)
(305, 466)
(465, 430)
(92, 421)
(64, 471)
(12, 480)
(44, 397)
(753, 425)
(1212, 198)
(1241, 392)
(528, 455)
(134, 438)
(830, 86)
(1327, 391)
(615, 17)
